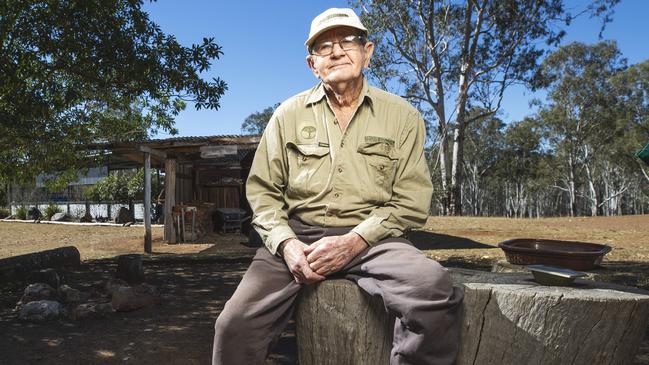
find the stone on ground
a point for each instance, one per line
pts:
(41, 310)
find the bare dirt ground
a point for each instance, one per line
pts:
(195, 280)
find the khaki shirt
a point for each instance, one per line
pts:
(374, 176)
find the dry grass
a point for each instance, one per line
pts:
(628, 235)
(94, 242)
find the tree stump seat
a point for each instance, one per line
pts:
(129, 268)
(507, 319)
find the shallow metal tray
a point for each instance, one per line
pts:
(550, 275)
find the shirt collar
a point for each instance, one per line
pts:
(319, 93)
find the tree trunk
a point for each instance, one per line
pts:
(507, 319)
(510, 320)
(129, 268)
(337, 323)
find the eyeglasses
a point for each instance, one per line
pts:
(349, 43)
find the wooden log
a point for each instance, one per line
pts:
(507, 319)
(19, 267)
(337, 323)
(129, 268)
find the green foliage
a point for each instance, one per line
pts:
(78, 72)
(21, 212)
(50, 210)
(121, 186)
(450, 58)
(256, 122)
(4, 213)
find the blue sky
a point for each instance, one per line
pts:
(264, 56)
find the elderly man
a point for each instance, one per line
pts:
(338, 177)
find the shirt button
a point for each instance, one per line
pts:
(340, 169)
(336, 195)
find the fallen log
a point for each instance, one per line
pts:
(19, 267)
(507, 319)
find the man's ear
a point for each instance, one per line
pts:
(310, 63)
(368, 50)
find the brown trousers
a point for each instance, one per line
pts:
(415, 288)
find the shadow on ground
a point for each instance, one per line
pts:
(179, 331)
(426, 240)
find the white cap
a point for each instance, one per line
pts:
(331, 18)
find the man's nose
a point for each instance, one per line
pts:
(337, 50)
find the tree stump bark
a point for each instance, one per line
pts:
(337, 323)
(510, 319)
(129, 268)
(507, 319)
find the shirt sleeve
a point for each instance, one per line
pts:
(411, 192)
(265, 187)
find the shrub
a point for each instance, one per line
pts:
(51, 210)
(4, 213)
(21, 213)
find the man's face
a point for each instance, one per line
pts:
(342, 65)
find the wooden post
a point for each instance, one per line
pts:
(147, 202)
(170, 199)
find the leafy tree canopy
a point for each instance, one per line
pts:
(74, 72)
(256, 122)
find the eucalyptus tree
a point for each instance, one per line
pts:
(448, 57)
(582, 113)
(74, 72)
(484, 142)
(522, 167)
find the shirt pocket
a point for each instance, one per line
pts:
(307, 164)
(381, 165)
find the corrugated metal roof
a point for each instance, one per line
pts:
(204, 138)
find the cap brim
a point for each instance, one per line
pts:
(312, 38)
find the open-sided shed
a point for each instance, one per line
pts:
(197, 170)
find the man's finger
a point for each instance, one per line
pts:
(310, 248)
(310, 274)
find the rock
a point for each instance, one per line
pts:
(46, 276)
(125, 299)
(92, 310)
(41, 310)
(61, 217)
(114, 284)
(71, 295)
(38, 291)
(87, 218)
(34, 214)
(123, 216)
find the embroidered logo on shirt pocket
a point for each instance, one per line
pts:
(304, 162)
(381, 159)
